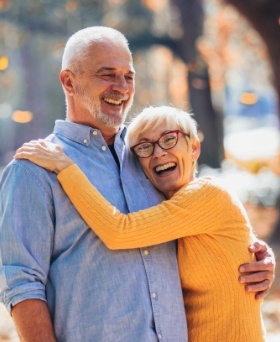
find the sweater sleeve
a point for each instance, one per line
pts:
(198, 208)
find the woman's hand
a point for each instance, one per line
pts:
(45, 154)
(258, 276)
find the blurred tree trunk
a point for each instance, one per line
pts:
(264, 16)
(210, 122)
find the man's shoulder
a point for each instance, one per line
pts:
(22, 174)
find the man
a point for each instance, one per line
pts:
(57, 278)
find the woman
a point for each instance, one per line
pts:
(210, 223)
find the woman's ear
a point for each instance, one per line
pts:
(66, 79)
(195, 149)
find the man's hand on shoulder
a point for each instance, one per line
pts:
(258, 276)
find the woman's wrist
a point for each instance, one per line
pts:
(63, 164)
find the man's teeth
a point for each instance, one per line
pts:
(165, 167)
(115, 102)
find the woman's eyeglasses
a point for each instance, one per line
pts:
(166, 142)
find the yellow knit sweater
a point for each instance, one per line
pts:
(214, 235)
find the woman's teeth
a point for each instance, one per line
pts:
(165, 167)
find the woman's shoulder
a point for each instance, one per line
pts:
(206, 182)
(209, 185)
(213, 186)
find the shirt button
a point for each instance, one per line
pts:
(94, 133)
(154, 295)
(159, 336)
(85, 141)
(146, 252)
(103, 148)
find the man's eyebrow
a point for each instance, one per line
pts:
(102, 69)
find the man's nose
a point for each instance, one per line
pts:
(121, 84)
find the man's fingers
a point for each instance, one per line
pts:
(260, 290)
(258, 247)
(266, 264)
(257, 287)
(256, 277)
(261, 294)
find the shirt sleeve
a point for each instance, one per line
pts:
(199, 208)
(26, 234)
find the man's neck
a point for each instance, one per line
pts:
(108, 133)
(109, 138)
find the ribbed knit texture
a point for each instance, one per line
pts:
(214, 235)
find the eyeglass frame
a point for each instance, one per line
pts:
(153, 143)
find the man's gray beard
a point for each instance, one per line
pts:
(110, 121)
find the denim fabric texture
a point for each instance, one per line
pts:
(48, 252)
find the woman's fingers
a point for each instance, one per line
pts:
(45, 154)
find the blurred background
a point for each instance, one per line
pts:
(217, 59)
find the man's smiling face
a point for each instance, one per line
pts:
(105, 88)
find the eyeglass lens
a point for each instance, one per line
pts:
(166, 141)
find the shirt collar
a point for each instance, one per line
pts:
(80, 133)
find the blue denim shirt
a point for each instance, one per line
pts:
(48, 252)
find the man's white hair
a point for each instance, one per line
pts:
(78, 44)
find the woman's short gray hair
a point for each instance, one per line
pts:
(152, 117)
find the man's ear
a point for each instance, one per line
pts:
(66, 79)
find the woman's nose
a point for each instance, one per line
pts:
(158, 151)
